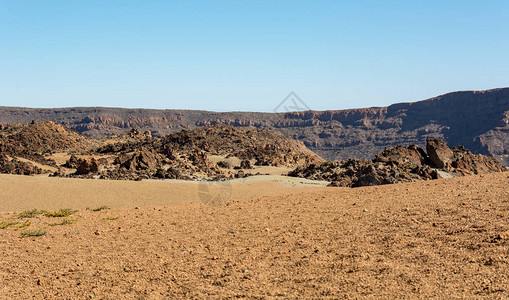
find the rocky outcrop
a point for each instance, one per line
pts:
(401, 164)
(263, 146)
(72, 163)
(35, 140)
(460, 160)
(44, 137)
(245, 164)
(185, 154)
(17, 167)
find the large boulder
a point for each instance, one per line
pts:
(440, 155)
(87, 166)
(73, 162)
(141, 159)
(400, 155)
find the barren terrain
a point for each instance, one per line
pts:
(446, 238)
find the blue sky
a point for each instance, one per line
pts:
(248, 55)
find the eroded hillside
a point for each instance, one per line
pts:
(478, 120)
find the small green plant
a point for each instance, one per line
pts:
(64, 222)
(59, 213)
(30, 213)
(38, 232)
(111, 218)
(6, 224)
(104, 207)
(23, 225)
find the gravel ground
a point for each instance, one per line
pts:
(444, 239)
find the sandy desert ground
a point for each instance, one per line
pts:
(446, 239)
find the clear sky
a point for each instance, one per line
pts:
(248, 55)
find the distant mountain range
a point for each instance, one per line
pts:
(479, 120)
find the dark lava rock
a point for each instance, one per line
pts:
(400, 155)
(440, 155)
(400, 164)
(87, 166)
(459, 159)
(141, 159)
(17, 167)
(72, 163)
(245, 164)
(224, 164)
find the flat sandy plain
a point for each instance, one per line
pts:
(444, 239)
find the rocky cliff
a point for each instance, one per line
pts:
(478, 120)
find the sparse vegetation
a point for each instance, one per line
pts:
(38, 232)
(111, 218)
(59, 213)
(104, 207)
(30, 213)
(23, 225)
(64, 222)
(6, 224)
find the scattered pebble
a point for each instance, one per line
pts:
(502, 236)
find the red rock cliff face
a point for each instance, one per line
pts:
(479, 120)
